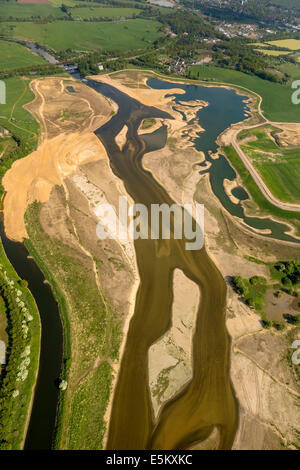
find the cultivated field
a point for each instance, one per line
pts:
(28, 10)
(83, 36)
(99, 12)
(292, 44)
(278, 166)
(14, 55)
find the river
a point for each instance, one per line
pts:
(42, 421)
(208, 400)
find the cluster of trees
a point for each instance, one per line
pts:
(15, 348)
(252, 290)
(236, 54)
(270, 11)
(140, 4)
(289, 274)
(47, 69)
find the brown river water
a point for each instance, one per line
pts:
(208, 399)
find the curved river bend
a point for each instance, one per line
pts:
(208, 399)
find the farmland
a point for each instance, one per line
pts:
(272, 53)
(278, 109)
(262, 203)
(98, 12)
(278, 166)
(17, 10)
(12, 54)
(292, 44)
(22, 126)
(85, 36)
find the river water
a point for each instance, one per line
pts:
(208, 400)
(42, 422)
(226, 107)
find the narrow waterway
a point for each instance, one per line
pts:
(42, 421)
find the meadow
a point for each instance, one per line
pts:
(13, 114)
(28, 10)
(292, 44)
(277, 104)
(102, 12)
(278, 166)
(86, 36)
(14, 55)
(15, 411)
(291, 69)
(263, 204)
(272, 53)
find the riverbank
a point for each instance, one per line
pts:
(16, 404)
(100, 280)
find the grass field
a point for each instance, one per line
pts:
(18, 94)
(18, 408)
(278, 166)
(291, 69)
(14, 55)
(18, 10)
(272, 53)
(22, 126)
(262, 203)
(96, 12)
(83, 36)
(292, 44)
(276, 105)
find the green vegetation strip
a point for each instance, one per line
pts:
(22, 127)
(279, 166)
(18, 376)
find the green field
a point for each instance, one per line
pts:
(276, 105)
(17, 10)
(259, 199)
(96, 12)
(86, 36)
(291, 69)
(14, 55)
(22, 126)
(278, 166)
(286, 3)
(292, 44)
(18, 94)
(272, 53)
(14, 410)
